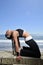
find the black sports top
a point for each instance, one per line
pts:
(20, 32)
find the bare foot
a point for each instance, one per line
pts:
(18, 58)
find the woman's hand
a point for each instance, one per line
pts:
(18, 58)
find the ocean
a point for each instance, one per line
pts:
(6, 45)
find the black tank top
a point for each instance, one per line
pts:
(20, 32)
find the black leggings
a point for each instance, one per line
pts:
(32, 51)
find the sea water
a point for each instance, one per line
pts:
(6, 45)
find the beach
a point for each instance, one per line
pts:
(6, 56)
(7, 44)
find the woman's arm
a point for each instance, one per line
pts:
(15, 35)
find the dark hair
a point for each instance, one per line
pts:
(8, 37)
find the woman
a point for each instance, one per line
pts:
(31, 51)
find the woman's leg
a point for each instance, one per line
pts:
(29, 53)
(27, 48)
(33, 51)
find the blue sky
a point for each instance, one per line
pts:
(24, 14)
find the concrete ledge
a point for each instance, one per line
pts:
(9, 59)
(24, 60)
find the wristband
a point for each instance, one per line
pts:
(17, 53)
